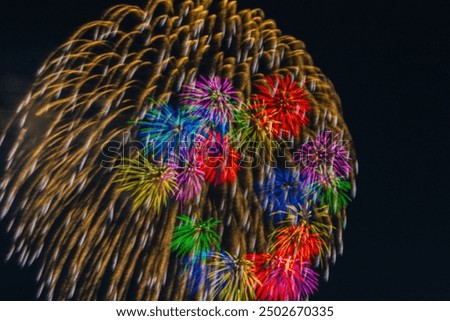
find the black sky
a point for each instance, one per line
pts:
(389, 63)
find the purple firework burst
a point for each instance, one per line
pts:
(213, 99)
(323, 158)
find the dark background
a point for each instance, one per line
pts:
(388, 61)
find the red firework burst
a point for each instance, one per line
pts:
(220, 160)
(286, 103)
(297, 241)
(283, 278)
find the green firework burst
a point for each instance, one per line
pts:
(195, 237)
(334, 194)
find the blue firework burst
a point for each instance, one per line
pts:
(168, 129)
(197, 271)
(280, 191)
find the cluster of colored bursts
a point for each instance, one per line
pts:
(283, 273)
(203, 140)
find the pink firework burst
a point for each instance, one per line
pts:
(190, 174)
(283, 278)
(212, 99)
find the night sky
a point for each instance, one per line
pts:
(389, 63)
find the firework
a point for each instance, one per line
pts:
(231, 278)
(150, 184)
(190, 174)
(64, 211)
(195, 238)
(212, 99)
(333, 194)
(285, 279)
(197, 269)
(255, 127)
(167, 129)
(323, 158)
(297, 241)
(286, 103)
(305, 233)
(220, 160)
(282, 190)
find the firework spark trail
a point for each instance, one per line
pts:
(65, 211)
